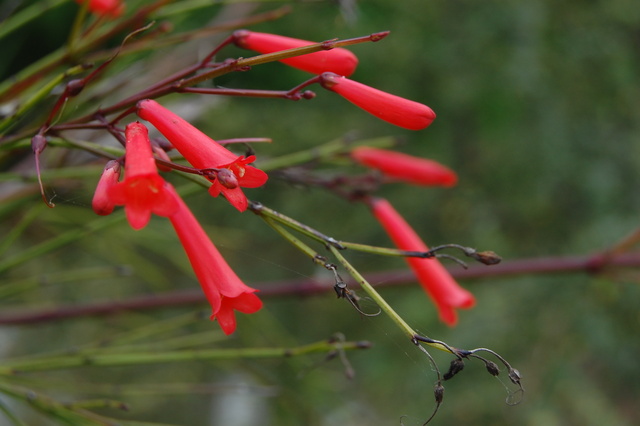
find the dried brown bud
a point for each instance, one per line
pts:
(492, 368)
(514, 376)
(487, 257)
(457, 365)
(438, 391)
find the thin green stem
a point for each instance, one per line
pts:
(15, 421)
(292, 239)
(386, 308)
(38, 97)
(48, 406)
(324, 152)
(11, 367)
(263, 211)
(76, 27)
(38, 250)
(368, 288)
(383, 251)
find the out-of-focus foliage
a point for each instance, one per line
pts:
(538, 112)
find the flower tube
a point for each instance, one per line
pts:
(143, 190)
(203, 153)
(225, 292)
(338, 60)
(403, 167)
(434, 278)
(391, 108)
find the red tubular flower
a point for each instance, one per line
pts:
(396, 165)
(102, 203)
(340, 61)
(143, 191)
(391, 108)
(434, 278)
(113, 8)
(205, 153)
(222, 287)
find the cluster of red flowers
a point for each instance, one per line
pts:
(143, 191)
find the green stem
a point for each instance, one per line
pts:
(395, 317)
(48, 406)
(117, 359)
(38, 97)
(383, 251)
(293, 239)
(368, 288)
(327, 150)
(61, 240)
(263, 211)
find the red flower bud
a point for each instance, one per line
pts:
(391, 108)
(112, 8)
(338, 60)
(403, 167)
(102, 203)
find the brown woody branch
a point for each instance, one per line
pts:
(591, 264)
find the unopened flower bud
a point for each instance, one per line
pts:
(161, 154)
(338, 60)
(487, 257)
(403, 167)
(101, 202)
(74, 87)
(391, 108)
(38, 143)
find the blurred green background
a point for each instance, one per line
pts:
(538, 112)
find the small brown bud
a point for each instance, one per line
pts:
(438, 391)
(514, 376)
(492, 368)
(457, 365)
(487, 257)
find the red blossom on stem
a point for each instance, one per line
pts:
(112, 8)
(204, 153)
(406, 168)
(102, 203)
(391, 108)
(338, 60)
(222, 287)
(143, 191)
(434, 278)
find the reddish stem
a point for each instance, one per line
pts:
(306, 287)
